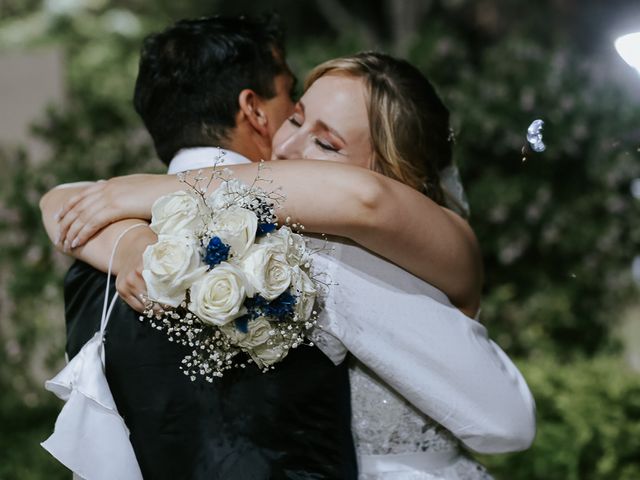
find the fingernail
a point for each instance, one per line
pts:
(56, 217)
(57, 240)
(75, 243)
(65, 247)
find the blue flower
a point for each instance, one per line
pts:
(280, 308)
(264, 228)
(255, 305)
(242, 324)
(217, 251)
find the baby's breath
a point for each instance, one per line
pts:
(212, 351)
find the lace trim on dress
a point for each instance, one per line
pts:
(384, 423)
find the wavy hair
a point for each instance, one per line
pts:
(409, 123)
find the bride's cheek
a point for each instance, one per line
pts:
(315, 152)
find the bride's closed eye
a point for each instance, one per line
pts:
(326, 145)
(293, 120)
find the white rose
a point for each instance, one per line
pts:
(218, 296)
(293, 245)
(266, 355)
(305, 292)
(226, 195)
(170, 267)
(234, 335)
(267, 270)
(236, 227)
(176, 212)
(258, 333)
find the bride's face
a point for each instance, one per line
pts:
(330, 122)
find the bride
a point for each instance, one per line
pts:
(379, 113)
(406, 137)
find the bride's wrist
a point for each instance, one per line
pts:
(132, 246)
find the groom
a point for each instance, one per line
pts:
(204, 83)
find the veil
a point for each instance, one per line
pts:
(455, 197)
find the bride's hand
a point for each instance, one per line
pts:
(129, 264)
(103, 203)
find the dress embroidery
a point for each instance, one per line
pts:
(383, 423)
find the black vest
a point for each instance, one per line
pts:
(290, 423)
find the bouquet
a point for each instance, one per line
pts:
(225, 279)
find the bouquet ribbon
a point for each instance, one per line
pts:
(90, 437)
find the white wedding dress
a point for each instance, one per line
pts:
(394, 440)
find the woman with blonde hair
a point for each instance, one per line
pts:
(408, 140)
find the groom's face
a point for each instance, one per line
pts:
(280, 107)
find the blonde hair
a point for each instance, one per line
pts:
(409, 124)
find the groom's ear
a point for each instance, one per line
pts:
(252, 108)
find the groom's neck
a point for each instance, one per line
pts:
(247, 147)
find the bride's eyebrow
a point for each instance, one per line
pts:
(325, 125)
(332, 130)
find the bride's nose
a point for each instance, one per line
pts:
(290, 147)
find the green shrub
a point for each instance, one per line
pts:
(588, 415)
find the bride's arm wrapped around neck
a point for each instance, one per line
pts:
(377, 212)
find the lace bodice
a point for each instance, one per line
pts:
(383, 422)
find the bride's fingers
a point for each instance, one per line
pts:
(86, 228)
(72, 232)
(73, 240)
(95, 213)
(69, 217)
(132, 289)
(69, 204)
(84, 234)
(76, 219)
(63, 228)
(73, 201)
(91, 215)
(78, 200)
(134, 303)
(103, 217)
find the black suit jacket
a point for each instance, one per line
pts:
(290, 423)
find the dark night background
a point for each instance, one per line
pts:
(559, 231)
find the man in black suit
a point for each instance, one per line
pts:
(205, 83)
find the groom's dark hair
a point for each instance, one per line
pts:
(190, 77)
